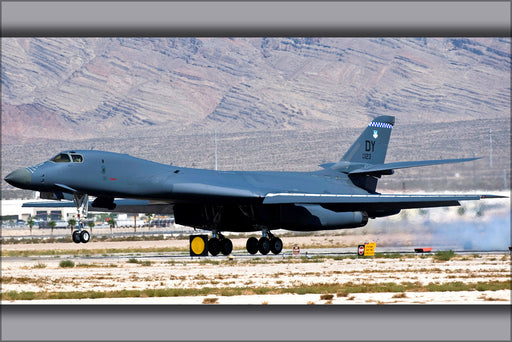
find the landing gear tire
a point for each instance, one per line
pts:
(85, 236)
(226, 246)
(76, 236)
(214, 246)
(81, 201)
(276, 245)
(264, 245)
(252, 245)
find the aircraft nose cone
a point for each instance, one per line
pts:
(19, 178)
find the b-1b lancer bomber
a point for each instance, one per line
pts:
(340, 195)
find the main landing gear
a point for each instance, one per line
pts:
(219, 243)
(82, 206)
(268, 242)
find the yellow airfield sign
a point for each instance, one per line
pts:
(368, 249)
(198, 245)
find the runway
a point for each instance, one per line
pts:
(382, 252)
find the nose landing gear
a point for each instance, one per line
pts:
(82, 206)
(81, 236)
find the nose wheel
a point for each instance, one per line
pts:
(81, 236)
(82, 206)
(76, 236)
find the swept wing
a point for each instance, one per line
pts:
(341, 203)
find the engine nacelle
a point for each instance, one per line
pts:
(298, 217)
(314, 217)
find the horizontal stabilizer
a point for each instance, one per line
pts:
(384, 168)
(327, 165)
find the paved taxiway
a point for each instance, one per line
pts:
(241, 254)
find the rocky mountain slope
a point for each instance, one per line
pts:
(69, 88)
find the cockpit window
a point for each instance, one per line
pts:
(77, 158)
(61, 158)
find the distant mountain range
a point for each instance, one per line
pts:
(84, 88)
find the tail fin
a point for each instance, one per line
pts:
(364, 161)
(372, 144)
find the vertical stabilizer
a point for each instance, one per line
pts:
(372, 144)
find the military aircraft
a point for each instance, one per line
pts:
(340, 195)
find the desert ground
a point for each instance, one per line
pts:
(161, 272)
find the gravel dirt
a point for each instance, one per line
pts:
(112, 272)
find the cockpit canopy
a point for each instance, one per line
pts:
(67, 158)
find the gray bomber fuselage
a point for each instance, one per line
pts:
(108, 174)
(341, 195)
